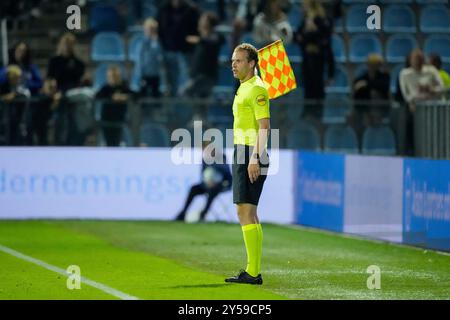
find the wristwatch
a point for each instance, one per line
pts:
(255, 156)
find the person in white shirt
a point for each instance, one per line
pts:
(420, 82)
(271, 25)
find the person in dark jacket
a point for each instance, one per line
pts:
(177, 19)
(14, 97)
(205, 59)
(47, 101)
(113, 96)
(20, 55)
(371, 88)
(66, 67)
(216, 178)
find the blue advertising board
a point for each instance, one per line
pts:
(426, 203)
(319, 191)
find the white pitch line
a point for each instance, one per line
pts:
(102, 287)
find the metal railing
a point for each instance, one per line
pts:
(173, 113)
(432, 130)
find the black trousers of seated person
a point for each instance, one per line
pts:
(112, 135)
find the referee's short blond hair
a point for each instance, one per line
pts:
(252, 52)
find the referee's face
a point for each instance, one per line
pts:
(240, 65)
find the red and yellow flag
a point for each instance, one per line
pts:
(276, 70)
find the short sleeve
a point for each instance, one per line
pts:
(260, 102)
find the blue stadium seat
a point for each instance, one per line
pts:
(357, 1)
(338, 25)
(359, 70)
(399, 46)
(135, 84)
(439, 44)
(127, 137)
(219, 114)
(395, 72)
(341, 81)
(294, 111)
(379, 141)
(100, 74)
(431, 1)
(104, 17)
(154, 135)
(356, 19)
(108, 46)
(303, 136)
(248, 38)
(446, 67)
(362, 45)
(399, 18)
(225, 76)
(225, 52)
(134, 46)
(341, 139)
(208, 5)
(340, 54)
(395, 1)
(295, 16)
(435, 19)
(336, 108)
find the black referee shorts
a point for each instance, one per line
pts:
(243, 190)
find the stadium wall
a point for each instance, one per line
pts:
(115, 183)
(387, 198)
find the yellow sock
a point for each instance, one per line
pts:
(260, 240)
(252, 241)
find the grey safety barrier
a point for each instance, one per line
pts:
(432, 130)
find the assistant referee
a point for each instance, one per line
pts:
(250, 161)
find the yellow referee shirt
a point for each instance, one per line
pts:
(251, 104)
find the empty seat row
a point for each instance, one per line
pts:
(433, 18)
(397, 47)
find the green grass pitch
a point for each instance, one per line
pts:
(169, 260)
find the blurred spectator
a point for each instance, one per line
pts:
(20, 9)
(15, 96)
(314, 38)
(245, 16)
(114, 96)
(177, 19)
(371, 86)
(216, 178)
(65, 67)
(435, 60)
(79, 105)
(41, 110)
(205, 59)
(20, 55)
(150, 59)
(272, 24)
(419, 82)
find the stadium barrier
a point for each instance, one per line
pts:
(122, 183)
(78, 117)
(388, 198)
